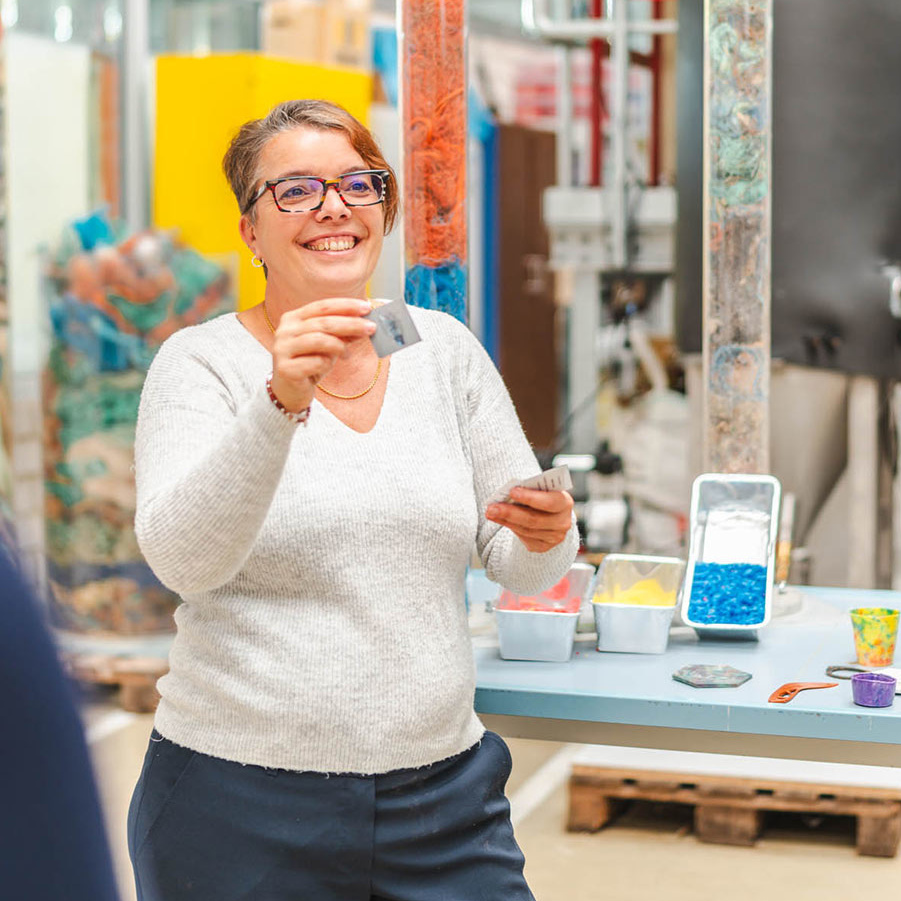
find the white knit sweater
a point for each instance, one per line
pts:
(321, 570)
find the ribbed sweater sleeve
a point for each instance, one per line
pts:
(206, 470)
(500, 452)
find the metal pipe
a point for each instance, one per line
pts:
(564, 118)
(620, 59)
(537, 21)
(596, 138)
(656, 66)
(136, 141)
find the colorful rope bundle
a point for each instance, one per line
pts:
(435, 154)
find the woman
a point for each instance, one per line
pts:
(316, 507)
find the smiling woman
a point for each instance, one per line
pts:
(290, 546)
(332, 247)
(241, 163)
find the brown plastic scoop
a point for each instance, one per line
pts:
(785, 693)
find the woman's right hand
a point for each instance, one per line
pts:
(308, 342)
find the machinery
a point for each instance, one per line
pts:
(612, 245)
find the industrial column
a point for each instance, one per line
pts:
(736, 254)
(433, 100)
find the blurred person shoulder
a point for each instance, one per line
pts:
(53, 844)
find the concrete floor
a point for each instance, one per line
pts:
(647, 855)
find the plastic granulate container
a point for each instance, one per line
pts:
(629, 629)
(731, 557)
(635, 601)
(541, 635)
(542, 627)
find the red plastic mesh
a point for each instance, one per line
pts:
(435, 129)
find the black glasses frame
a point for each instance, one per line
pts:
(326, 184)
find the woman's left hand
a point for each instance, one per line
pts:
(539, 519)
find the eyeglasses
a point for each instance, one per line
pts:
(305, 193)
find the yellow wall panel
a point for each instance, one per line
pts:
(200, 104)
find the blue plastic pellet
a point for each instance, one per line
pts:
(728, 594)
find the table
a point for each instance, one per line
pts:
(632, 699)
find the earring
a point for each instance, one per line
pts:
(256, 262)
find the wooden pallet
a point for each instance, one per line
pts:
(135, 676)
(730, 810)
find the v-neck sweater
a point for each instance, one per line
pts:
(321, 570)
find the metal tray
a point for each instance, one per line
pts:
(734, 519)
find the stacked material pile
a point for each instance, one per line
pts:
(113, 300)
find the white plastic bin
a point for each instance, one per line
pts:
(536, 635)
(542, 627)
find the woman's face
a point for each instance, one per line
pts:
(294, 246)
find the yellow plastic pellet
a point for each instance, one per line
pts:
(647, 592)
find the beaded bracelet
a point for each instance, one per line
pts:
(300, 417)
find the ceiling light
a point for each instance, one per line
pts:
(63, 19)
(9, 13)
(112, 23)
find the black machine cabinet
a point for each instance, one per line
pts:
(836, 181)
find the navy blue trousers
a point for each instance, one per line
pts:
(210, 829)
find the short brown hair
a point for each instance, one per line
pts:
(241, 161)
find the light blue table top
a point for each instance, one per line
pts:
(638, 689)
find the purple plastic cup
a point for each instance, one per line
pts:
(873, 689)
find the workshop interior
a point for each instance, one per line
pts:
(675, 228)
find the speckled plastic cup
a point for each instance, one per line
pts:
(875, 630)
(873, 689)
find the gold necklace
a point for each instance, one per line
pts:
(375, 378)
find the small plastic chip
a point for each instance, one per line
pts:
(702, 675)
